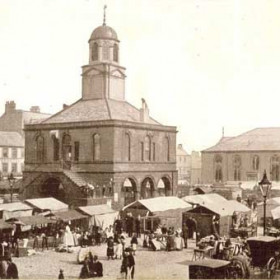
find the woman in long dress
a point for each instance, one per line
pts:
(68, 237)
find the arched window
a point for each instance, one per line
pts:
(96, 147)
(66, 148)
(105, 52)
(127, 145)
(166, 149)
(275, 168)
(40, 148)
(237, 168)
(95, 52)
(147, 148)
(218, 168)
(116, 53)
(55, 149)
(256, 162)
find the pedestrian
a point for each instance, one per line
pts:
(138, 226)
(44, 240)
(12, 271)
(134, 243)
(97, 268)
(110, 248)
(36, 241)
(185, 234)
(118, 249)
(60, 275)
(131, 266)
(85, 272)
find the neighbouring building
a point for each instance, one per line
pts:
(11, 153)
(183, 165)
(101, 147)
(243, 158)
(195, 168)
(12, 137)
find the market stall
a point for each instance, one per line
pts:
(15, 209)
(165, 210)
(99, 215)
(41, 205)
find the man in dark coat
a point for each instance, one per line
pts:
(12, 271)
(97, 268)
(185, 233)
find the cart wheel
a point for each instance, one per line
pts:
(271, 268)
(237, 270)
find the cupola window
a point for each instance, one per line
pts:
(116, 53)
(95, 52)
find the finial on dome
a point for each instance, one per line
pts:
(104, 15)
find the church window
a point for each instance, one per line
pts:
(127, 147)
(147, 147)
(256, 162)
(275, 168)
(76, 150)
(96, 147)
(237, 168)
(55, 149)
(105, 53)
(95, 52)
(116, 53)
(218, 168)
(166, 149)
(40, 148)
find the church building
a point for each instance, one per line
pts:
(101, 149)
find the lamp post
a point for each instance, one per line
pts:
(12, 180)
(265, 187)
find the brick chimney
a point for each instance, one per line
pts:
(144, 112)
(10, 106)
(35, 109)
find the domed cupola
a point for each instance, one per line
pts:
(104, 32)
(104, 44)
(103, 77)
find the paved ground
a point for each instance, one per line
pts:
(158, 265)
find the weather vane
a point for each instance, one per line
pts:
(104, 16)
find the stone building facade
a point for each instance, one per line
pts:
(183, 161)
(243, 158)
(101, 148)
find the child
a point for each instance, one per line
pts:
(110, 248)
(134, 243)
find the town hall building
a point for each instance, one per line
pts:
(101, 148)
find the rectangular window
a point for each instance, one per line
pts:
(5, 152)
(14, 152)
(142, 151)
(154, 151)
(22, 153)
(14, 167)
(5, 167)
(76, 151)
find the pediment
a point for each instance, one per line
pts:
(92, 72)
(117, 73)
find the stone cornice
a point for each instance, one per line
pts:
(105, 123)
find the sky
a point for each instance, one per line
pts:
(201, 65)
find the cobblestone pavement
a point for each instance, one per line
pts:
(149, 264)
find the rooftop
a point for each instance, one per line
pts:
(98, 110)
(258, 139)
(11, 139)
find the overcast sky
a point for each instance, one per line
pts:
(200, 64)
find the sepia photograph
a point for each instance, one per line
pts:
(139, 139)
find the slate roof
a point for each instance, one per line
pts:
(98, 110)
(259, 139)
(11, 139)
